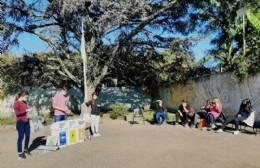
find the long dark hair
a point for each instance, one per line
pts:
(21, 93)
(93, 100)
(246, 104)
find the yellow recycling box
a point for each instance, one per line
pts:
(72, 136)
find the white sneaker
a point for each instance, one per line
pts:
(95, 135)
(177, 126)
(186, 126)
(213, 126)
(98, 134)
(219, 131)
(236, 132)
(204, 129)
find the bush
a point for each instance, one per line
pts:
(171, 117)
(148, 115)
(117, 110)
(8, 121)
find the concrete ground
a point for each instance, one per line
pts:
(137, 146)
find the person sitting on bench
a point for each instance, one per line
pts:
(160, 112)
(201, 113)
(185, 113)
(215, 110)
(243, 113)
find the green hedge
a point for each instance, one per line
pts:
(149, 116)
(8, 121)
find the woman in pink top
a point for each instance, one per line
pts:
(23, 125)
(215, 109)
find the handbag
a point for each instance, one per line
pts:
(202, 124)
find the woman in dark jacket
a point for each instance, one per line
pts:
(243, 113)
(95, 114)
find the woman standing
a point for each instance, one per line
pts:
(95, 114)
(23, 125)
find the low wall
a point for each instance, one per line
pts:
(197, 91)
(41, 99)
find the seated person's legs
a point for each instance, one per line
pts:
(191, 117)
(184, 118)
(198, 115)
(237, 120)
(157, 117)
(226, 122)
(211, 120)
(163, 116)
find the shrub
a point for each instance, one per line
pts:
(148, 115)
(171, 117)
(8, 121)
(117, 110)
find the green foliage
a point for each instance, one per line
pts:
(171, 117)
(174, 65)
(118, 110)
(254, 19)
(39, 70)
(227, 50)
(8, 121)
(148, 115)
(10, 71)
(178, 66)
(137, 35)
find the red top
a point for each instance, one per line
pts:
(20, 111)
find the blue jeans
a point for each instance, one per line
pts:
(60, 118)
(160, 115)
(211, 119)
(23, 129)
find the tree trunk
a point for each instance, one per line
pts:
(84, 108)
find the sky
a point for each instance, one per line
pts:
(31, 43)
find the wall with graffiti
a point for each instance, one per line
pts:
(130, 97)
(197, 91)
(41, 99)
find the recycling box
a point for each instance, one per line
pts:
(81, 134)
(72, 132)
(59, 129)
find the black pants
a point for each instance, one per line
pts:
(184, 118)
(235, 119)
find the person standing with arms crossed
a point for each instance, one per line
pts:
(23, 124)
(60, 105)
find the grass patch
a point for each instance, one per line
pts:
(8, 121)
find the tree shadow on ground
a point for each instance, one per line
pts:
(37, 142)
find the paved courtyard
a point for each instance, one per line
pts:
(124, 146)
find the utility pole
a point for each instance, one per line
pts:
(84, 56)
(242, 12)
